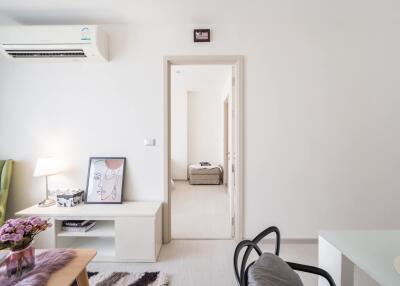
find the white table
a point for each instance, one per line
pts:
(372, 251)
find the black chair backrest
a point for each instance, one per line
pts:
(250, 245)
(241, 276)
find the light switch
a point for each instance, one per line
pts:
(149, 142)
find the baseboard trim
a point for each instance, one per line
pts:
(267, 241)
(200, 239)
(292, 240)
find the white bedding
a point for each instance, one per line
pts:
(198, 166)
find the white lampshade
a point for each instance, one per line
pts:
(47, 166)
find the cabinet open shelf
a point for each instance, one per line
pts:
(102, 228)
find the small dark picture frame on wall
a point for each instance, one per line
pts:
(201, 35)
(105, 180)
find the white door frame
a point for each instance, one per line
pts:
(237, 62)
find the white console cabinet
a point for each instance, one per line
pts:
(128, 232)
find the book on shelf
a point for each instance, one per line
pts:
(82, 228)
(75, 222)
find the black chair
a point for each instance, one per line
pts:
(242, 273)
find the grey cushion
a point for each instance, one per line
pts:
(271, 270)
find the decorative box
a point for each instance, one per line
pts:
(69, 198)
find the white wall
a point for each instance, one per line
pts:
(321, 105)
(205, 132)
(179, 125)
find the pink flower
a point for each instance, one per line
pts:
(36, 221)
(6, 229)
(20, 231)
(28, 228)
(5, 237)
(16, 237)
(10, 222)
(14, 231)
(15, 222)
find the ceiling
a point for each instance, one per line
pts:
(199, 11)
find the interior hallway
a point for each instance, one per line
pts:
(200, 211)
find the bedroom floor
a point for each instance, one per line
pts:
(200, 211)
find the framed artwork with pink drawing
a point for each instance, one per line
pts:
(105, 180)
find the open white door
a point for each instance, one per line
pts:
(230, 170)
(226, 142)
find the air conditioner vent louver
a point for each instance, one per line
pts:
(54, 44)
(76, 53)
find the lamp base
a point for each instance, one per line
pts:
(46, 203)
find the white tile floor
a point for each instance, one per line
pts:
(203, 212)
(208, 262)
(199, 211)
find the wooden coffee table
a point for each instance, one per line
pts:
(76, 269)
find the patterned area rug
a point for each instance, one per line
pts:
(127, 279)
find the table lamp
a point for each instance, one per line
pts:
(47, 166)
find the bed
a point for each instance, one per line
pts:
(205, 175)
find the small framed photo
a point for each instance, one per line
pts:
(105, 180)
(202, 35)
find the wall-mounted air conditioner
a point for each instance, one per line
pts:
(54, 43)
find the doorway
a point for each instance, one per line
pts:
(200, 199)
(203, 135)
